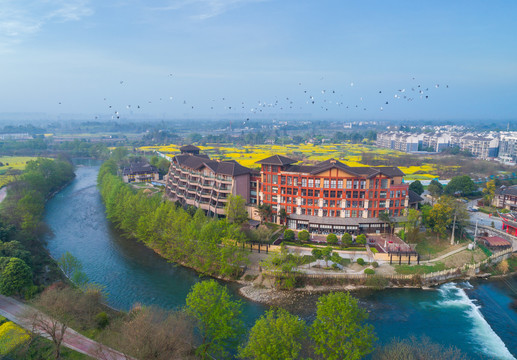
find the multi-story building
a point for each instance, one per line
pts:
(332, 196)
(140, 172)
(506, 197)
(195, 179)
(508, 147)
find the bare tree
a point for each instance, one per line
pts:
(154, 334)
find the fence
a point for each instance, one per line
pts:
(424, 279)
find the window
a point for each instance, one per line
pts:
(317, 183)
(275, 189)
(269, 178)
(383, 194)
(332, 194)
(382, 204)
(295, 181)
(309, 202)
(347, 213)
(398, 193)
(316, 193)
(370, 182)
(356, 184)
(338, 213)
(332, 213)
(275, 179)
(340, 184)
(384, 183)
(325, 212)
(289, 181)
(289, 191)
(282, 180)
(304, 182)
(348, 194)
(397, 203)
(391, 194)
(325, 193)
(333, 184)
(311, 182)
(303, 211)
(354, 213)
(403, 193)
(339, 194)
(311, 192)
(360, 213)
(355, 195)
(304, 192)
(354, 204)
(349, 184)
(370, 195)
(326, 183)
(363, 184)
(332, 203)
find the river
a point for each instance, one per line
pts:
(474, 316)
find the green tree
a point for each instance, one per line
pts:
(417, 187)
(265, 212)
(335, 258)
(462, 185)
(288, 235)
(69, 264)
(276, 335)
(385, 217)
(412, 225)
(282, 214)
(361, 239)
(332, 239)
(317, 254)
(339, 331)
(440, 216)
(235, 209)
(326, 252)
(15, 277)
(346, 239)
(218, 317)
(435, 189)
(304, 236)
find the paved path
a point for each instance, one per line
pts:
(446, 255)
(14, 311)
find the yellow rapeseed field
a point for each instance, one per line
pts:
(12, 163)
(306, 153)
(11, 335)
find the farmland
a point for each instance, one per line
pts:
(351, 154)
(10, 163)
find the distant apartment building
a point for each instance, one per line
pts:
(484, 147)
(194, 179)
(332, 196)
(508, 147)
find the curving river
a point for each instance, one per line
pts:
(475, 316)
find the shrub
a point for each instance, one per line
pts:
(361, 239)
(304, 236)
(369, 271)
(332, 239)
(375, 264)
(376, 282)
(102, 320)
(360, 261)
(288, 235)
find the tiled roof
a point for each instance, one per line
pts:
(194, 162)
(496, 241)
(139, 168)
(277, 160)
(189, 148)
(414, 197)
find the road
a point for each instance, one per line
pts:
(14, 310)
(482, 218)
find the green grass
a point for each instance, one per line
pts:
(419, 269)
(41, 348)
(485, 249)
(430, 245)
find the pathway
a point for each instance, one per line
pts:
(3, 193)
(445, 255)
(14, 310)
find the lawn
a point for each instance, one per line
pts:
(419, 269)
(428, 244)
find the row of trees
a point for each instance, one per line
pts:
(23, 260)
(208, 245)
(458, 186)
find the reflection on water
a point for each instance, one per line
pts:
(477, 320)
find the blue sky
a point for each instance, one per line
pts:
(266, 59)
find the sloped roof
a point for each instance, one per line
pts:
(277, 160)
(496, 241)
(189, 148)
(195, 162)
(414, 197)
(139, 168)
(510, 190)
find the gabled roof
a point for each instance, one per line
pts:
(195, 162)
(277, 160)
(139, 168)
(414, 197)
(189, 148)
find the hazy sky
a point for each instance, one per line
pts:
(278, 56)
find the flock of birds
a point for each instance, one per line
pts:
(303, 99)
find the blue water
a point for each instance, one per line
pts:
(474, 317)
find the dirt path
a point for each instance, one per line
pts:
(14, 311)
(3, 193)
